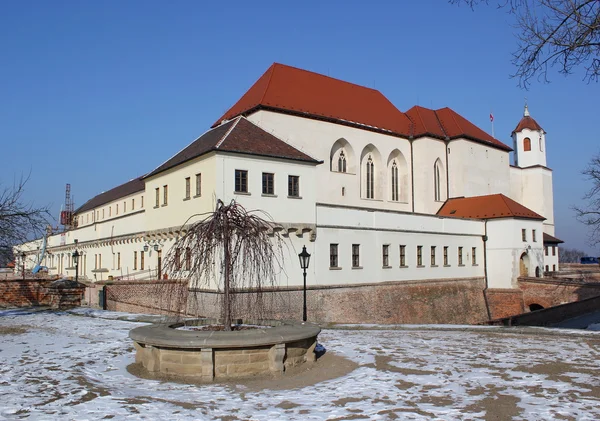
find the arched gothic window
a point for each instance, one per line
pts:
(394, 181)
(342, 162)
(437, 181)
(527, 144)
(370, 178)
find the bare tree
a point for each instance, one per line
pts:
(20, 221)
(566, 255)
(232, 249)
(590, 213)
(562, 33)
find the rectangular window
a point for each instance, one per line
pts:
(135, 260)
(460, 254)
(386, 255)
(141, 260)
(419, 255)
(100, 261)
(355, 255)
(474, 256)
(402, 256)
(553, 268)
(116, 209)
(333, 255)
(110, 211)
(157, 193)
(142, 199)
(553, 251)
(95, 261)
(124, 207)
(165, 194)
(445, 255)
(102, 213)
(132, 204)
(533, 237)
(97, 215)
(188, 187)
(118, 260)
(294, 186)
(178, 258)
(188, 259)
(241, 181)
(432, 255)
(268, 181)
(524, 234)
(198, 184)
(546, 250)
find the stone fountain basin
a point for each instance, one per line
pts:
(162, 348)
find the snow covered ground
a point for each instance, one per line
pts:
(71, 367)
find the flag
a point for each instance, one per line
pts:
(491, 117)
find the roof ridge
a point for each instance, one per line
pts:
(334, 78)
(435, 113)
(262, 98)
(220, 142)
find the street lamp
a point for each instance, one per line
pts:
(75, 257)
(304, 261)
(23, 256)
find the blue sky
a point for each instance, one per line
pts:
(97, 93)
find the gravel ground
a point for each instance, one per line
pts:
(56, 365)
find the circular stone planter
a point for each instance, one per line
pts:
(162, 348)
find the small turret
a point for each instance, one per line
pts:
(529, 142)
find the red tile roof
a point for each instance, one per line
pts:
(291, 90)
(527, 122)
(240, 136)
(285, 88)
(486, 207)
(446, 123)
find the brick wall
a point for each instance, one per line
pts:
(39, 292)
(150, 297)
(24, 293)
(435, 301)
(505, 302)
(552, 292)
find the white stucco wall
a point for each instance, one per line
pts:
(537, 154)
(372, 229)
(317, 138)
(532, 187)
(505, 248)
(477, 170)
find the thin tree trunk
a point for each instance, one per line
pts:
(226, 293)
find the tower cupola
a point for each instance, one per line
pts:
(529, 142)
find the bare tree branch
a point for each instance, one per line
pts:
(562, 33)
(589, 213)
(20, 221)
(230, 249)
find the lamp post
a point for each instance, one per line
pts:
(75, 257)
(23, 256)
(304, 261)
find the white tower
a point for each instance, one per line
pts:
(529, 142)
(531, 179)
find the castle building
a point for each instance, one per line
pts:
(402, 212)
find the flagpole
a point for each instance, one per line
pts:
(492, 120)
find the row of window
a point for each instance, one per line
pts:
(553, 268)
(385, 253)
(553, 252)
(101, 213)
(268, 183)
(533, 235)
